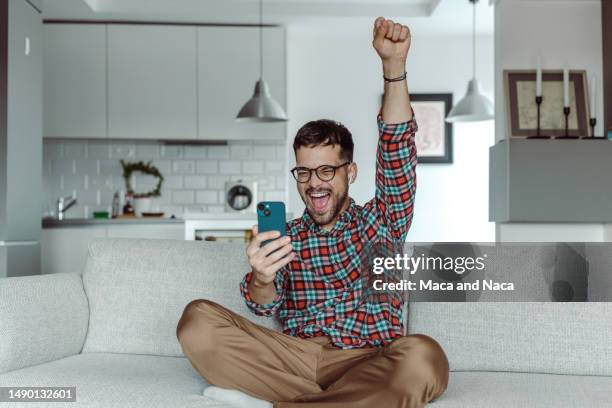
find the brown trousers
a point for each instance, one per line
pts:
(230, 351)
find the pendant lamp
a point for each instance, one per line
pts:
(474, 106)
(261, 107)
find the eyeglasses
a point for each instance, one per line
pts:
(325, 172)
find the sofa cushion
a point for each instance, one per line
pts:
(121, 380)
(138, 289)
(42, 318)
(118, 380)
(558, 338)
(510, 390)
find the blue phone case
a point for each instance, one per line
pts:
(271, 217)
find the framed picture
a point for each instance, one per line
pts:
(521, 108)
(434, 138)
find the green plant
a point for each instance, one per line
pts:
(145, 168)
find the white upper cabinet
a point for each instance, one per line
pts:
(228, 67)
(152, 78)
(74, 80)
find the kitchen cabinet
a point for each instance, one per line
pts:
(151, 81)
(152, 91)
(228, 67)
(74, 79)
(170, 231)
(65, 249)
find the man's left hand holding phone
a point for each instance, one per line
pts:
(265, 263)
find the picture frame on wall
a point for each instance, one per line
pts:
(521, 108)
(434, 137)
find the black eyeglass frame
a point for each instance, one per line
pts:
(316, 170)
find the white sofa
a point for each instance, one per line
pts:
(112, 333)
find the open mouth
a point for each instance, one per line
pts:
(320, 200)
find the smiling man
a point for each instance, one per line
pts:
(338, 348)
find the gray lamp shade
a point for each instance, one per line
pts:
(474, 107)
(261, 107)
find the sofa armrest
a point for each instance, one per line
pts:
(42, 318)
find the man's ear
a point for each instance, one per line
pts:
(352, 172)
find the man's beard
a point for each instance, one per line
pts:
(338, 201)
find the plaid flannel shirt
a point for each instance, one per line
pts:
(320, 292)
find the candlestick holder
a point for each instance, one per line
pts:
(566, 112)
(593, 123)
(538, 134)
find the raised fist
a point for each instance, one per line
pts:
(391, 40)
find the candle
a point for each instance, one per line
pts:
(539, 77)
(593, 96)
(566, 98)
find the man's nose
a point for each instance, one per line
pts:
(314, 181)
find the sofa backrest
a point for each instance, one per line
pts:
(138, 288)
(537, 336)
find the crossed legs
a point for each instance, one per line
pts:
(230, 351)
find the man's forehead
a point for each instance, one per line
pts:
(314, 156)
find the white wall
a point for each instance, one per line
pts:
(333, 72)
(564, 32)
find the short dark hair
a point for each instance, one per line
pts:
(325, 132)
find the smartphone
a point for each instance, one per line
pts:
(271, 217)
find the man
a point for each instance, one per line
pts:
(338, 348)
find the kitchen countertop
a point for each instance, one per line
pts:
(75, 222)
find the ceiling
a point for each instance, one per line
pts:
(431, 16)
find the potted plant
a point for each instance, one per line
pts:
(143, 200)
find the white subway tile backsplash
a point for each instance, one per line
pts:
(274, 166)
(98, 150)
(217, 182)
(266, 183)
(169, 210)
(123, 150)
(106, 197)
(77, 211)
(71, 183)
(216, 209)
(101, 182)
(195, 182)
(62, 167)
(266, 152)
(164, 166)
(75, 150)
(239, 152)
(147, 150)
(118, 183)
(194, 176)
(252, 166)
(183, 167)
(183, 197)
(143, 183)
(173, 182)
(274, 196)
(207, 166)
(86, 166)
(110, 167)
(171, 151)
(230, 167)
(53, 150)
(87, 197)
(281, 150)
(218, 152)
(194, 152)
(207, 197)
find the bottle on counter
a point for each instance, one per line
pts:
(128, 209)
(116, 208)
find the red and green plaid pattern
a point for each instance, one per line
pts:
(320, 292)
